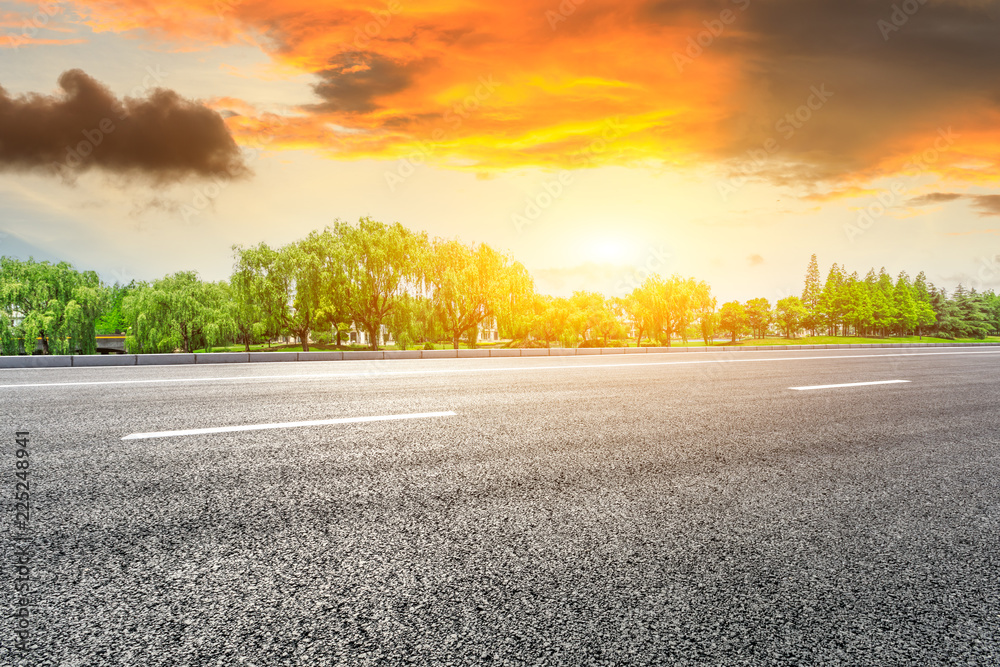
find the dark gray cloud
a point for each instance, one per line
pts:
(987, 204)
(934, 198)
(889, 81)
(355, 81)
(161, 136)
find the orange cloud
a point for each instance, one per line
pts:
(577, 83)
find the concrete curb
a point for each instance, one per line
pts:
(102, 360)
(163, 359)
(222, 358)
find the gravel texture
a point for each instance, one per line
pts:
(681, 514)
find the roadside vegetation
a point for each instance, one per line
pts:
(398, 289)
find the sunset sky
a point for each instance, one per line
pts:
(593, 139)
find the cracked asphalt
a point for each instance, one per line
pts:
(649, 510)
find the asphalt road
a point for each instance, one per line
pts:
(656, 509)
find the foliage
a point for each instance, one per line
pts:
(178, 312)
(51, 302)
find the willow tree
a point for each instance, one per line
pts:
(666, 304)
(55, 304)
(382, 263)
(178, 312)
(468, 286)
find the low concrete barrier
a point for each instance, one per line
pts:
(402, 354)
(164, 359)
(265, 357)
(320, 356)
(97, 360)
(364, 356)
(36, 361)
(439, 354)
(222, 358)
(472, 354)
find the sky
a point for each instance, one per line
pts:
(596, 141)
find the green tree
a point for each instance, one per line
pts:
(759, 316)
(811, 295)
(179, 311)
(54, 302)
(733, 319)
(790, 314)
(468, 286)
(382, 262)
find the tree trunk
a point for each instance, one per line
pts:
(373, 332)
(455, 339)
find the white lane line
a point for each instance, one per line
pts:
(261, 427)
(851, 384)
(439, 371)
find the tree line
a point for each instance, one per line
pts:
(384, 278)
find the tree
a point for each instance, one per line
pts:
(381, 262)
(634, 309)
(759, 316)
(666, 305)
(54, 302)
(833, 302)
(733, 319)
(704, 308)
(467, 286)
(791, 314)
(609, 326)
(178, 312)
(905, 305)
(811, 294)
(514, 312)
(552, 319)
(111, 320)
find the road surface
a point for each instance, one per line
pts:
(785, 507)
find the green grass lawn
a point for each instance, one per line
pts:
(842, 340)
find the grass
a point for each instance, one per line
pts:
(774, 340)
(840, 340)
